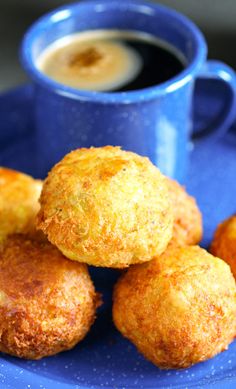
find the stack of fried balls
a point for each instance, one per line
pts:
(111, 208)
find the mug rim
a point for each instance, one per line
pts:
(126, 97)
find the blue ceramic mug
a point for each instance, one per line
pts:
(156, 121)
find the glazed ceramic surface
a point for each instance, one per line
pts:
(156, 122)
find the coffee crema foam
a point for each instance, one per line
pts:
(91, 60)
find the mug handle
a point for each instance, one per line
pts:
(220, 71)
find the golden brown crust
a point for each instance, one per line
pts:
(19, 194)
(187, 228)
(47, 302)
(106, 207)
(179, 309)
(224, 242)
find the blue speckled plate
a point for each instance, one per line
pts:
(105, 359)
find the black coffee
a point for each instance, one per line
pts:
(159, 64)
(110, 60)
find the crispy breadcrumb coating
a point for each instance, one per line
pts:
(179, 309)
(224, 242)
(106, 207)
(19, 194)
(187, 228)
(47, 302)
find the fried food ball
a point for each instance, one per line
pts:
(179, 309)
(224, 242)
(47, 302)
(106, 207)
(187, 228)
(19, 194)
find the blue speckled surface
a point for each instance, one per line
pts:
(104, 359)
(145, 121)
(154, 121)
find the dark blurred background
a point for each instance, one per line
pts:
(216, 18)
